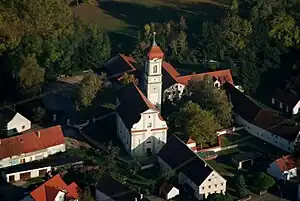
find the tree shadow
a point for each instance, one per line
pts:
(10, 191)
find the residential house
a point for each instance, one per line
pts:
(191, 169)
(31, 146)
(55, 189)
(286, 102)
(38, 168)
(168, 191)
(283, 168)
(263, 123)
(110, 189)
(11, 122)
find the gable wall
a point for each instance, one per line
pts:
(214, 183)
(19, 123)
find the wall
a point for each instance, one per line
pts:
(150, 132)
(60, 196)
(296, 108)
(164, 167)
(32, 156)
(123, 134)
(274, 171)
(101, 196)
(265, 135)
(214, 183)
(173, 192)
(19, 123)
(183, 179)
(33, 173)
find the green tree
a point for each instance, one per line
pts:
(86, 195)
(127, 79)
(209, 97)
(262, 181)
(219, 197)
(31, 76)
(88, 89)
(241, 187)
(38, 114)
(112, 152)
(198, 123)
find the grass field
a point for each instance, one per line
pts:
(123, 18)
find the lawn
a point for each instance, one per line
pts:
(123, 18)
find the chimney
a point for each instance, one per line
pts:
(38, 133)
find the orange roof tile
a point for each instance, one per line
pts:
(48, 190)
(155, 52)
(286, 163)
(222, 75)
(128, 60)
(30, 142)
(170, 69)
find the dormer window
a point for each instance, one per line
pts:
(155, 69)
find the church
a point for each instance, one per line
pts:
(140, 126)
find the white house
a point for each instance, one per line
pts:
(140, 126)
(191, 169)
(12, 122)
(31, 146)
(286, 102)
(55, 189)
(283, 168)
(262, 123)
(168, 191)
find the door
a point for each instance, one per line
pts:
(25, 176)
(42, 172)
(11, 178)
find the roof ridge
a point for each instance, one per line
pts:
(224, 70)
(145, 99)
(124, 59)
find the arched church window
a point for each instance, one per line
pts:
(155, 69)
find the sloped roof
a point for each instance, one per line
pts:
(48, 190)
(29, 142)
(285, 98)
(222, 75)
(181, 158)
(155, 52)
(132, 104)
(119, 64)
(286, 163)
(116, 190)
(170, 75)
(263, 118)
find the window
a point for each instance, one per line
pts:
(203, 188)
(209, 179)
(209, 186)
(23, 127)
(216, 185)
(149, 116)
(22, 160)
(38, 157)
(155, 69)
(139, 141)
(149, 124)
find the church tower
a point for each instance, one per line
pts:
(153, 74)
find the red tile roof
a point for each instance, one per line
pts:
(286, 163)
(48, 190)
(31, 141)
(222, 75)
(128, 60)
(155, 52)
(170, 69)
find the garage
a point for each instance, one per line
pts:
(25, 176)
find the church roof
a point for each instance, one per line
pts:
(182, 159)
(132, 104)
(119, 64)
(155, 52)
(170, 75)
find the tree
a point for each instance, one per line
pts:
(198, 123)
(127, 79)
(31, 76)
(89, 88)
(86, 195)
(241, 187)
(262, 181)
(219, 197)
(209, 97)
(38, 114)
(112, 152)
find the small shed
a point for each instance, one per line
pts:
(239, 159)
(168, 191)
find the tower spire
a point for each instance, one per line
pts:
(154, 42)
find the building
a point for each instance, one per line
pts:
(38, 168)
(31, 146)
(286, 102)
(168, 191)
(110, 189)
(55, 189)
(283, 168)
(190, 168)
(12, 122)
(263, 123)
